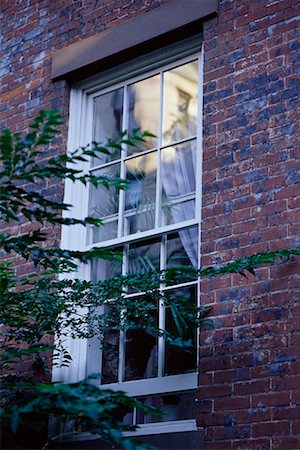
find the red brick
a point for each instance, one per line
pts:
(270, 429)
(281, 413)
(231, 404)
(286, 443)
(271, 399)
(251, 49)
(251, 387)
(215, 391)
(251, 444)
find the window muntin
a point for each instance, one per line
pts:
(162, 187)
(155, 224)
(173, 406)
(137, 354)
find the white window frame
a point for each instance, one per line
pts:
(74, 238)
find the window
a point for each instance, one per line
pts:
(154, 223)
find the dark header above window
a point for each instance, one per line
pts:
(175, 20)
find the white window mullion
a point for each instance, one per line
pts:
(121, 221)
(159, 144)
(134, 416)
(160, 384)
(198, 202)
(161, 312)
(122, 346)
(121, 370)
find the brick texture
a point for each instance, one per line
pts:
(249, 386)
(249, 366)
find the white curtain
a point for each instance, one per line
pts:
(178, 179)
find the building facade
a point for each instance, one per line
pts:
(216, 82)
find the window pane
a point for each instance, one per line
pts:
(110, 357)
(182, 248)
(140, 355)
(180, 104)
(104, 270)
(141, 193)
(105, 232)
(104, 202)
(177, 359)
(108, 114)
(144, 256)
(178, 183)
(178, 212)
(144, 110)
(177, 406)
(178, 169)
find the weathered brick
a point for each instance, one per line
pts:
(250, 191)
(270, 429)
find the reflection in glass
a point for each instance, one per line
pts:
(178, 183)
(140, 355)
(180, 103)
(144, 256)
(110, 357)
(173, 213)
(140, 195)
(144, 110)
(182, 248)
(104, 270)
(108, 113)
(105, 232)
(177, 406)
(177, 359)
(140, 345)
(104, 202)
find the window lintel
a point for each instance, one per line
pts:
(162, 26)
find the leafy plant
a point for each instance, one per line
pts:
(36, 308)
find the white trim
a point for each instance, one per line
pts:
(80, 133)
(143, 235)
(158, 385)
(175, 426)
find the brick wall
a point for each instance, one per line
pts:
(32, 31)
(249, 394)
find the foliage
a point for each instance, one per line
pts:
(35, 309)
(79, 406)
(23, 171)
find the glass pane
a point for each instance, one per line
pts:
(182, 250)
(141, 193)
(178, 359)
(178, 182)
(140, 355)
(110, 357)
(178, 169)
(180, 105)
(128, 418)
(144, 256)
(144, 110)
(140, 343)
(108, 115)
(173, 213)
(104, 202)
(104, 270)
(105, 232)
(177, 406)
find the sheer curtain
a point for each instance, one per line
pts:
(179, 181)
